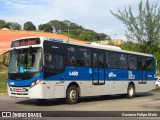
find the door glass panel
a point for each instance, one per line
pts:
(98, 68)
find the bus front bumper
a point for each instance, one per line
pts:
(35, 92)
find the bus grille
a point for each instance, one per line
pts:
(19, 93)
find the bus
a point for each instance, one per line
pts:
(44, 68)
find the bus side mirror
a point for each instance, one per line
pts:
(6, 58)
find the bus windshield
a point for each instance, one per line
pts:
(26, 60)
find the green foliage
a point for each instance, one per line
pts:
(2, 24)
(2, 67)
(29, 26)
(157, 89)
(58, 26)
(157, 55)
(76, 31)
(3, 77)
(143, 28)
(13, 25)
(10, 25)
(129, 45)
(3, 82)
(45, 27)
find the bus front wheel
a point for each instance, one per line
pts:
(72, 95)
(130, 91)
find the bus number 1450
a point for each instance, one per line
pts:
(73, 73)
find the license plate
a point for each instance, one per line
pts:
(18, 89)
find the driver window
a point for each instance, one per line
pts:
(48, 61)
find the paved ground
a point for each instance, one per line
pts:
(142, 102)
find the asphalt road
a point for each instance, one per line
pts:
(142, 102)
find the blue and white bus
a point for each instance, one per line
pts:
(44, 68)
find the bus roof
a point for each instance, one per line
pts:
(115, 49)
(102, 47)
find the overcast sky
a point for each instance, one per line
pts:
(91, 14)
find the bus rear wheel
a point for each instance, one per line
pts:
(130, 91)
(72, 95)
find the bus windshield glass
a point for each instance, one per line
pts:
(26, 60)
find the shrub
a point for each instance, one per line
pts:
(3, 82)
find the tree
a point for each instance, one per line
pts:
(45, 27)
(13, 25)
(72, 30)
(29, 26)
(104, 36)
(57, 25)
(144, 28)
(2, 24)
(130, 46)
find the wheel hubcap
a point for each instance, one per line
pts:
(72, 95)
(130, 91)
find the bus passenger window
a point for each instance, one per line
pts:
(149, 64)
(83, 57)
(132, 62)
(98, 59)
(95, 60)
(54, 61)
(87, 59)
(122, 61)
(141, 64)
(71, 56)
(111, 60)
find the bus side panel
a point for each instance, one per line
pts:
(113, 87)
(150, 85)
(85, 88)
(59, 91)
(99, 90)
(44, 90)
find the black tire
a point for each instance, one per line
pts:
(123, 95)
(72, 95)
(130, 91)
(41, 100)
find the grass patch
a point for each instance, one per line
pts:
(3, 82)
(158, 74)
(157, 89)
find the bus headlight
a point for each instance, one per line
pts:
(35, 83)
(38, 81)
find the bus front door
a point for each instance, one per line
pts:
(98, 68)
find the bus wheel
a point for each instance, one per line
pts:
(72, 95)
(130, 91)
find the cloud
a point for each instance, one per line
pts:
(19, 4)
(92, 14)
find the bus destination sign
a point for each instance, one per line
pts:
(25, 42)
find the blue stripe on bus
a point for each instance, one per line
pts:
(24, 82)
(88, 74)
(85, 73)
